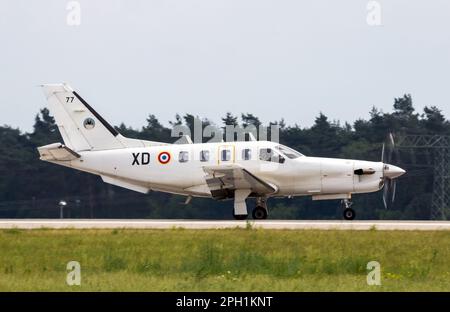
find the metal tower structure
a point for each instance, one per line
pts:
(439, 145)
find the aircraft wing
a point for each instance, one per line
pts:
(224, 180)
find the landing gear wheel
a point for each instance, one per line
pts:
(259, 213)
(240, 217)
(349, 214)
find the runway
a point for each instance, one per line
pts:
(29, 224)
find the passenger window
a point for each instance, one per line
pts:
(246, 154)
(225, 155)
(204, 156)
(183, 156)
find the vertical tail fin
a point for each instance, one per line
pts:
(81, 127)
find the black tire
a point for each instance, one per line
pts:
(349, 214)
(240, 217)
(259, 213)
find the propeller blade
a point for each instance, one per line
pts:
(394, 187)
(389, 158)
(384, 202)
(391, 147)
(385, 192)
(390, 185)
(391, 139)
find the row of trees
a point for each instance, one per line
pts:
(32, 188)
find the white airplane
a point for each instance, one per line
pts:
(224, 170)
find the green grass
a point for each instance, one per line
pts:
(224, 260)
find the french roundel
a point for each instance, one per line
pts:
(164, 157)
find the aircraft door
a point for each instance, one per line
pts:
(226, 154)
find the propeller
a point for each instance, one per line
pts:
(390, 173)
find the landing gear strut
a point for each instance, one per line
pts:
(260, 211)
(240, 217)
(349, 213)
(240, 207)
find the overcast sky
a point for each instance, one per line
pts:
(277, 59)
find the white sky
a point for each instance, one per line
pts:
(283, 58)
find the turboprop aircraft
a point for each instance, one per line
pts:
(222, 170)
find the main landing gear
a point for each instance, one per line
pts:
(260, 211)
(240, 207)
(349, 213)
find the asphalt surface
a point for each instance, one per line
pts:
(221, 224)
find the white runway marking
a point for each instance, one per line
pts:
(221, 224)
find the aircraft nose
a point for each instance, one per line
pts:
(392, 172)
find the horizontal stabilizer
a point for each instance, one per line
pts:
(57, 152)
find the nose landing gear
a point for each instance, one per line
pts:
(349, 213)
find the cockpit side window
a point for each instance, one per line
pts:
(288, 152)
(265, 154)
(268, 154)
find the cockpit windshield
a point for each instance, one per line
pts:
(288, 152)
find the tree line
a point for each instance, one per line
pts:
(30, 188)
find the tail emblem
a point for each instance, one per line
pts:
(89, 123)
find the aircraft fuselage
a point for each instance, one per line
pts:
(292, 177)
